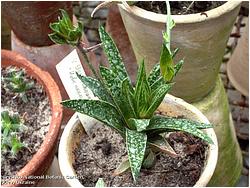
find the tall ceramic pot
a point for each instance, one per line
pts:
(238, 65)
(43, 158)
(170, 106)
(30, 20)
(201, 38)
(216, 108)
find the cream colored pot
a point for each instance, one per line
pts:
(171, 106)
(202, 40)
(238, 65)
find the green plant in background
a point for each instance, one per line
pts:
(10, 126)
(16, 82)
(131, 110)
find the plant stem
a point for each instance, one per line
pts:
(87, 60)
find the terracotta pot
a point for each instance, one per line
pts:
(44, 156)
(30, 20)
(172, 106)
(202, 40)
(238, 65)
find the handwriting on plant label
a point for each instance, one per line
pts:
(67, 69)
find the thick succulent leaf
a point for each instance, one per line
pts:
(100, 110)
(126, 100)
(149, 160)
(178, 66)
(157, 97)
(169, 25)
(166, 64)
(142, 92)
(96, 87)
(160, 122)
(136, 145)
(111, 81)
(158, 83)
(123, 167)
(66, 19)
(140, 124)
(159, 143)
(113, 55)
(175, 52)
(16, 145)
(57, 39)
(55, 27)
(100, 183)
(154, 74)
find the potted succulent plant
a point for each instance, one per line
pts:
(201, 38)
(31, 120)
(130, 113)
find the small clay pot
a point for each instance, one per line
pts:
(30, 20)
(41, 161)
(171, 106)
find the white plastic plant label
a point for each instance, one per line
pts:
(67, 69)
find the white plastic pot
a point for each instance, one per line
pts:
(171, 106)
(202, 39)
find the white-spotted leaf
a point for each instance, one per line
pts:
(136, 145)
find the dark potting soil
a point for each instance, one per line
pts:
(36, 116)
(99, 154)
(179, 7)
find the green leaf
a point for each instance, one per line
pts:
(66, 19)
(178, 66)
(160, 144)
(100, 110)
(142, 92)
(158, 83)
(16, 145)
(136, 145)
(154, 74)
(123, 167)
(166, 64)
(169, 124)
(57, 39)
(112, 81)
(113, 55)
(157, 97)
(140, 124)
(55, 27)
(175, 52)
(126, 100)
(64, 31)
(100, 183)
(96, 87)
(149, 160)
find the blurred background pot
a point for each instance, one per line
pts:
(30, 20)
(238, 65)
(201, 38)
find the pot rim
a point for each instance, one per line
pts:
(49, 143)
(208, 170)
(140, 13)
